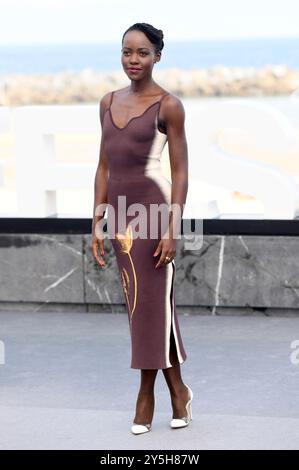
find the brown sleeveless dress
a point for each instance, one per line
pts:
(134, 153)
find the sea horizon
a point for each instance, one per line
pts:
(106, 56)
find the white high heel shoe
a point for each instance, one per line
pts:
(182, 422)
(140, 428)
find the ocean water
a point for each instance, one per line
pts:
(27, 59)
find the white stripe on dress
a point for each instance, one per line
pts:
(153, 171)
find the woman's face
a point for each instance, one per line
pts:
(138, 52)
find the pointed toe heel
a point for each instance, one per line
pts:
(183, 422)
(140, 428)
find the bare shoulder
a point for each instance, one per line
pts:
(172, 104)
(105, 100)
(104, 104)
(172, 111)
(125, 88)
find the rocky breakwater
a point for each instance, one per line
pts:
(87, 86)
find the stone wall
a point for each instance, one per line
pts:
(228, 275)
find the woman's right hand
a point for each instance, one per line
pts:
(97, 243)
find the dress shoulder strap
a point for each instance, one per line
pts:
(163, 96)
(111, 98)
(161, 99)
(159, 106)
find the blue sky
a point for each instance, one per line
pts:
(81, 21)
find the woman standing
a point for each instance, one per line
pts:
(136, 123)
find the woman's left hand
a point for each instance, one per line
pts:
(167, 247)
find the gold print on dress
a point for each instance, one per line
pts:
(127, 277)
(126, 243)
(125, 285)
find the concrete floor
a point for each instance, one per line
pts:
(66, 383)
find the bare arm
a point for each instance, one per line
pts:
(174, 118)
(100, 186)
(178, 154)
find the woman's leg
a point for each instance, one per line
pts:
(177, 388)
(146, 400)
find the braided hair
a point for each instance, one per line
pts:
(155, 36)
